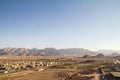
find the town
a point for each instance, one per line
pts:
(60, 68)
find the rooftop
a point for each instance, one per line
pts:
(116, 74)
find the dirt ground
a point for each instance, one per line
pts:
(38, 75)
(29, 75)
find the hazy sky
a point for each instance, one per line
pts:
(90, 24)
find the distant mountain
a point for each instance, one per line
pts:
(105, 51)
(51, 51)
(109, 52)
(14, 51)
(57, 52)
(100, 55)
(46, 52)
(115, 54)
(87, 56)
(77, 52)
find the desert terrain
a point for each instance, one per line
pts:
(56, 68)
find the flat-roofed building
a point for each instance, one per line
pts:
(116, 75)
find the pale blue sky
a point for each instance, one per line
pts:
(89, 24)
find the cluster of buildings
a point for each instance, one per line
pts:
(12, 66)
(116, 62)
(111, 71)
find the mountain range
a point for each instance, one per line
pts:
(52, 52)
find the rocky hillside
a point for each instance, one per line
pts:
(45, 52)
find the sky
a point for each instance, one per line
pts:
(89, 24)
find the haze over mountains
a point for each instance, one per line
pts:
(109, 52)
(54, 52)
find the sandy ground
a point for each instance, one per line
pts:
(29, 75)
(37, 75)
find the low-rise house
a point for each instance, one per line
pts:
(115, 75)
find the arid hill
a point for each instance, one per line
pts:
(46, 52)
